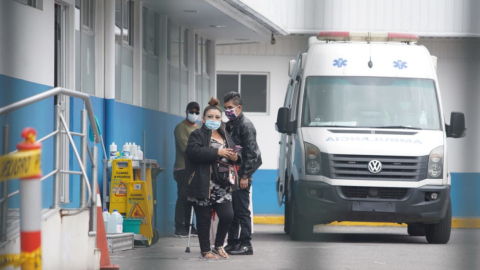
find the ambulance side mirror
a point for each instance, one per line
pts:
(457, 129)
(284, 125)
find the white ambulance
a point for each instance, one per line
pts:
(364, 136)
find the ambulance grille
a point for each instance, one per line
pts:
(378, 193)
(395, 168)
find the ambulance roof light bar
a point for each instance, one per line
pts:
(366, 36)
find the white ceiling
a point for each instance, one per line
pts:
(201, 21)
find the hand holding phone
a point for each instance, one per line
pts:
(237, 148)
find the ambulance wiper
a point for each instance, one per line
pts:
(403, 127)
(344, 126)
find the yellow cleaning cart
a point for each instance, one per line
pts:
(130, 192)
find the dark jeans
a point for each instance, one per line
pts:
(183, 208)
(204, 220)
(241, 218)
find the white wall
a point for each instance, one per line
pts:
(274, 10)
(271, 59)
(459, 79)
(27, 52)
(427, 16)
(458, 73)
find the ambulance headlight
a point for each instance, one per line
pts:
(313, 162)
(313, 167)
(435, 163)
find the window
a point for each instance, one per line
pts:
(84, 46)
(150, 32)
(198, 54)
(370, 102)
(124, 51)
(202, 77)
(174, 69)
(206, 56)
(252, 87)
(184, 70)
(184, 48)
(88, 14)
(128, 22)
(150, 63)
(33, 3)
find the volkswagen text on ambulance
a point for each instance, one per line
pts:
(364, 136)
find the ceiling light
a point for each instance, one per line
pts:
(217, 26)
(190, 11)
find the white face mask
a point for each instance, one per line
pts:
(192, 118)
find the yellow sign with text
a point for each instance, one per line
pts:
(122, 172)
(20, 165)
(139, 207)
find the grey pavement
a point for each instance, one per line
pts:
(330, 248)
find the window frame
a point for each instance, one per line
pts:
(184, 52)
(146, 15)
(124, 44)
(87, 31)
(239, 74)
(179, 65)
(131, 20)
(90, 26)
(198, 55)
(38, 4)
(206, 43)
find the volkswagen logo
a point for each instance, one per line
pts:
(375, 166)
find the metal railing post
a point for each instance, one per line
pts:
(56, 180)
(4, 203)
(83, 149)
(93, 207)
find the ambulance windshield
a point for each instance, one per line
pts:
(370, 102)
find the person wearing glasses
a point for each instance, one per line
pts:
(206, 148)
(183, 208)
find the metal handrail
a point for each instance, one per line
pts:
(53, 92)
(91, 190)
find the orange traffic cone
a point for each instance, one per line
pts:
(102, 238)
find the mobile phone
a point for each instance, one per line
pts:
(237, 148)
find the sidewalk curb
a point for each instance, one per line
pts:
(463, 223)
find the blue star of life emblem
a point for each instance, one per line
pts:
(340, 62)
(399, 64)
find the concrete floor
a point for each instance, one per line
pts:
(331, 248)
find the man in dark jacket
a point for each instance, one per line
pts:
(244, 134)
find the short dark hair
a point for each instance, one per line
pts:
(234, 97)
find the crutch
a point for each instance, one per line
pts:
(190, 231)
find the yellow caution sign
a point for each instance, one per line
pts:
(139, 207)
(122, 172)
(148, 180)
(20, 165)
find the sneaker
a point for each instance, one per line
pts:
(181, 232)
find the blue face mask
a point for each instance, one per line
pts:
(213, 125)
